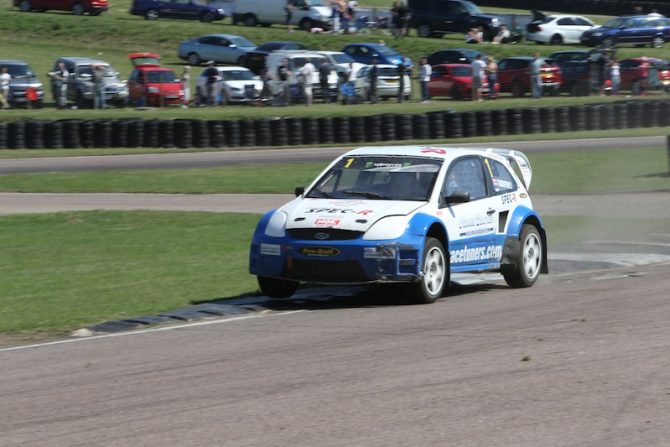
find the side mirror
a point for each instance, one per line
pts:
(299, 190)
(455, 198)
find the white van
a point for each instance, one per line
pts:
(307, 14)
(296, 60)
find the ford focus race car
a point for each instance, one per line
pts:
(406, 214)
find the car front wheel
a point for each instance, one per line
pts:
(277, 288)
(193, 58)
(207, 17)
(435, 271)
(78, 9)
(24, 6)
(424, 30)
(151, 14)
(657, 42)
(529, 263)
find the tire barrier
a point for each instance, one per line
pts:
(197, 133)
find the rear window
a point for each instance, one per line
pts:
(159, 77)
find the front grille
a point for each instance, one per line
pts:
(334, 234)
(325, 271)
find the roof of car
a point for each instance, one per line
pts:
(231, 68)
(153, 68)
(12, 61)
(82, 60)
(415, 151)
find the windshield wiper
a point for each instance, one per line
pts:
(368, 194)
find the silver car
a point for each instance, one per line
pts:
(80, 87)
(220, 48)
(23, 77)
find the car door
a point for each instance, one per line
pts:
(503, 199)
(136, 87)
(471, 225)
(439, 84)
(629, 72)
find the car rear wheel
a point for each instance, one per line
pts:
(306, 24)
(250, 20)
(277, 288)
(193, 58)
(424, 30)
(25, 6)
(556, 39)
(456, 93)
(78, 9)
(517, 89)
(527, 267)
(657, 42)
(435, 274)
(151, 14)
(207, 17)
(609, 42)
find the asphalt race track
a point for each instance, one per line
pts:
(580, 359)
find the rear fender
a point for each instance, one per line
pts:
(523, 215)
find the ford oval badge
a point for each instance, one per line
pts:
(321, 236)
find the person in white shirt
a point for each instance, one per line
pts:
(425, 70)
(307, 76)
(5, 78)
(477, 67)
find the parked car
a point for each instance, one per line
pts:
(296, 60)
(638, 30)
(237, 85)
(514, 75)
(434, 18)
(388, 82)
(340, 61)
(220, 48)
(177, 9)
(307, 14)
(23, 77)
(365, 53)
(644, 73)
(255, 59)
(80, 87)
(150, 84)
(454, 56)
(580, 70)
(455, 81)
(558, 29)
(404, 215)
(78, 7)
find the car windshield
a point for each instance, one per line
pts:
(242, 42)
(298, 62)
(19, 70)
(614, 23)
(461, 71)
(88, 70)
(237, 75)
(379, 178)
(472, 8)
(341, 58)
(159, 77)
(386, 51)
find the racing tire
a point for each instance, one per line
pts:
(556, 39)
(193, 59)
(151, 14)
(250, 20)
(424, 30)
(207, 17)
(436, 274)
(25, 6)
(277, 288)
(657, 42)
(78, 9)
(527, 268)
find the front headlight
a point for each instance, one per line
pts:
(153, 90)
(276, 226)
(236, 89)
(391, 227)
(495, 21)
(597, 34)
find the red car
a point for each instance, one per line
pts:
(644, 73)
(514, 74)
(150, 84)
(455, 81)
(78, 7)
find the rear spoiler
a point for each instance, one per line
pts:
(518, 161)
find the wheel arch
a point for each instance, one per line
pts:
(524, 216)
(428, 226)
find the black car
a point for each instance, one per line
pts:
(454, 56)
(255, 60)
(434, 18)
(581, 70)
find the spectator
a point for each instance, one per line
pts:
(536, 78)
(186, 85)
(477, 66)
(324, 73)
(503, 35)
(307, 77)
(283, 75)
(401, 69)
(615, 76)
(425, 70)
(99, 84)
(473, 36)
(373, 75)
(212, 75)
(403, 18)
(335, 15)
(288, 12)
(492, 76)
(345, 17)
(59, 79)
(5, 79)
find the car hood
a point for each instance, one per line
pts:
(25, 82)
(240, 84)
(354, 215)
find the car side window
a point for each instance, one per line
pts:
(502, 65)
(581, 22)
(501, 179)
(565, 21)
(465, 175)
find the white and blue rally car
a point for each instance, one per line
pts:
(405, 214)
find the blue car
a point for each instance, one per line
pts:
(176, 9)
(221, 48)
(365, 53)
(650, 29)
(405, 215)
